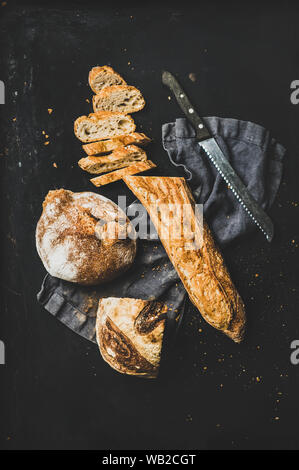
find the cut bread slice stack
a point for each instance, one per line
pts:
(110, 130)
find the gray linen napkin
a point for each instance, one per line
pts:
(252, 152)
(256, 157)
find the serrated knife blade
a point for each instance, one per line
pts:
(215, 154)
(260, 218)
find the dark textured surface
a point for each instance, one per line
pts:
(56, 392)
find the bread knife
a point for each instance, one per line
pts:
(215, 154)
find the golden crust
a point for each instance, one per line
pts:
(95, 71)
(119, 174)
(130, 334)
(100, 100)
(105, 146)
(201, 269)
(119, 158)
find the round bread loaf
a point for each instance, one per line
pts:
(84, 237)
(130, 334)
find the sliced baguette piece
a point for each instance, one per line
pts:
(123, 98)
(119, 174)
(101, 77)
(105, 146)
(201, 268)
(103, 125)
(120, 158)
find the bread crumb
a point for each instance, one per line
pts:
(192, 77)
(55, 165)
(46, 136)
(14, 119)
(87, 100)
(46, 143)
(50, 111)
(3, 4)
(258, 379)
(169, 97)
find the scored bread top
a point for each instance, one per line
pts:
(200, 267)
(130, 334)
(101, 77)
(103, 125)
(124, 98)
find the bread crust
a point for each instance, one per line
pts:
(94, 73)
(202, 270)
(119, 174)
(130, 334)
(105, 146)
(77, 237)
(120, 158)
(96, 118)
(100, 100)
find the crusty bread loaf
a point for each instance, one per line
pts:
(120, 158)
(106, 146)
(103, 125)
(84, 237)
(200, 265)
(101, 77)
(122, 98)
(119, 174)
(130, 334)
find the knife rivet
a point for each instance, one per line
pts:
(200, 126)
(182, 95)
(191, 110)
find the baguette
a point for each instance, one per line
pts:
(103, 125)
(120, 158)
(119, 174)
(101, 77)
(105, 146)
(123, 98)
(202, 270)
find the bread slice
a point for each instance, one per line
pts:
(200, 266)
(130, 334)
(120, 158)
(105, 146)
(101, 77)
(119, 174)
(103, 125)
(123, 98)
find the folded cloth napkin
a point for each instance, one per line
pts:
(256, 157)
(253, 153)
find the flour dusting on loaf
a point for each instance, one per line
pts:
(77, 237)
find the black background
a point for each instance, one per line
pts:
(55, 390)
